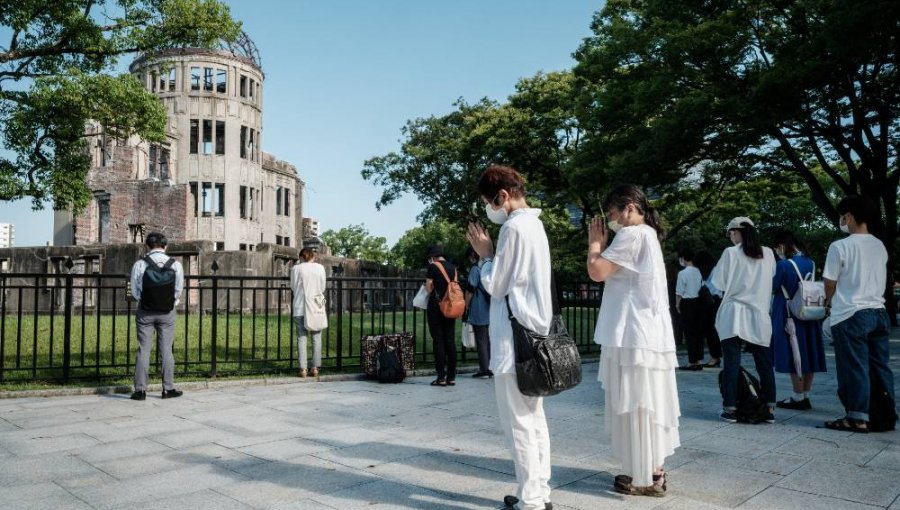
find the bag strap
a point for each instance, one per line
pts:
(796, 269)
(554, 299)
(444, 271)
(169, 263)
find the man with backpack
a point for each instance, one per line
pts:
(855, 280)
(156, 284)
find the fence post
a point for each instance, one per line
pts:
(340, 323)
(67, 327)
(215, 319)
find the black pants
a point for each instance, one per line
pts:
(443, 334)
(692, 322)
(708, 327)
(483, 343)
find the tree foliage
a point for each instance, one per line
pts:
(409, 251)
(53, 81)
(355, 242)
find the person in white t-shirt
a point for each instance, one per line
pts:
(855, 282)
(744, 274)
(517, 274)
(689, 307)
(637, 360)
(310, 314)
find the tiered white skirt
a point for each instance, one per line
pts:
(641, 408)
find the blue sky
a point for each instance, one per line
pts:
(343, 77)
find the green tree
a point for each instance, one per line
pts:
(672, 88)
(355, 242)
(409, 251)
(54, 79)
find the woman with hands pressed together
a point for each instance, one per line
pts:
(517, 273)
(637, 360)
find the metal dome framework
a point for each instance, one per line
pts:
(243, 47)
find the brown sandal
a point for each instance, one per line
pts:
(848, 424)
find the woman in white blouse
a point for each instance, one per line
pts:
(310, 315)
(744, 274)
(637, 361)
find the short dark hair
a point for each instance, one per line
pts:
(156, 240)
(863, 209)
(792, 245)
(686, 252)
(307, 254)
(499, 177)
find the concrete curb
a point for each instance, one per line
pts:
(217, 384)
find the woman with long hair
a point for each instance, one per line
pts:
(801, 354)
(310, 315)
(637, 361)
(744, 274)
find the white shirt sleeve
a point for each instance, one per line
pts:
(721, 271)
(832, 263)
(137, 278)
(624, 249)
(179, 280)
(681, 283)
(497, 275)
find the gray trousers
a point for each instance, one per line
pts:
(163, 324)
(483, 343)
(301, 344)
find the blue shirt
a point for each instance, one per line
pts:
(480, 305)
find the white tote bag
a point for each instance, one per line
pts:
(315, 313)
(421, 299)
(467, 332)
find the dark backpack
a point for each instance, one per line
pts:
(388, 368)
(158, 286)
(882, 414)
(750, 408)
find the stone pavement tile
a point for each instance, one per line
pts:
(857, 449)
(684, 455)
(685, 503)
(41, 496)
(388, 495)
(38, 444)
(567, 410)
(285, 449)
(168, 460)
(193, 437)
(118, 450)
(201, 500)
(889, 458)
(778, 498)
(144, 426)
(264, 494)
(372, 453)
(773, 463)
(597, 492)
(479, 442)
(578, 445)
(564, 471)
(351, 435)
(441, 472)
(713, 480)
(44, 468)
(726, 445)
(845, 481)
(160, 486)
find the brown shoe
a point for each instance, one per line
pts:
(314, 372)
(302, 373)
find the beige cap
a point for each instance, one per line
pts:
(736, 222)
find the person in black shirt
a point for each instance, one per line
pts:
(442, 329)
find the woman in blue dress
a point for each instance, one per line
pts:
(809, 346)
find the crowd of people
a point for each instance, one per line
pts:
(734, 304)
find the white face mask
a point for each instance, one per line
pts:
(681, 262)
(779, 252)
(844, 227)
(615, 226)
(498, 216)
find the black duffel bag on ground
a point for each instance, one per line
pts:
(545, 364)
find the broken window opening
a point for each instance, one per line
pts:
(195, 78)
(278, 240)
(220, 199)
(163, 163)
(153, 81)
(221, 79)
(243, 202)
(162, 81)
(242, 247)
(195, 135)
(208, 79)
(220, 246)
(207, 137)
(278, 200)
(207, 199)
(243, 87)
(172, 80)
(103, 220)
(136, 232)
(194, 195)
(151, 163)
(287, 201)
(244, 142)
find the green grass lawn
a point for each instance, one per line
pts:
(103, 348)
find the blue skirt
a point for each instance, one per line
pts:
(809, 341)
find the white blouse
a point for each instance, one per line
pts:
(747, 287)
(634, 312)
(521, 270)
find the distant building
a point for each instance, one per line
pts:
(310, 227)
(209, 180)
(7, 235)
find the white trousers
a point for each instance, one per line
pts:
(525, 426)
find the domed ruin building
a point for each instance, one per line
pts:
(210, 180)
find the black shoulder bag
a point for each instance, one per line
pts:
(545, 364)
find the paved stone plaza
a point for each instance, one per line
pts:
(358, 444)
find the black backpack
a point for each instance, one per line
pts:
(158, 286)
(388, 368)
(750, 407)
(882, 414)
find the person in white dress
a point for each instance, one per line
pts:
(310, 314)
(634, 328)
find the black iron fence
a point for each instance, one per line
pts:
(63, 327)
